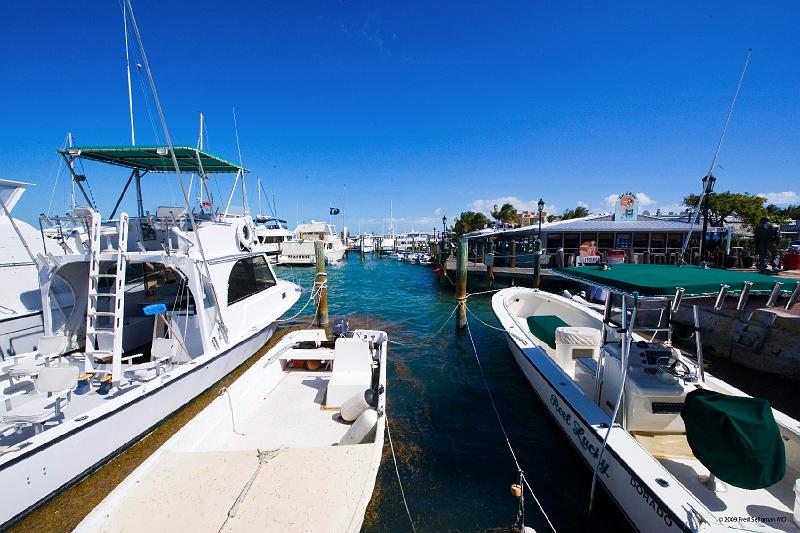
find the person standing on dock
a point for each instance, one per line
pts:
(766, 246)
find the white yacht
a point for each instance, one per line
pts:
(294, 444)
(20, 301)
(270, 235)
(301, 250)
(675, 447)
(141, 315)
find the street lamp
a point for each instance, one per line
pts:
(444, 225)
(541, 208)
(708, 187)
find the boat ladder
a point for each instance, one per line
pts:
(106, 295)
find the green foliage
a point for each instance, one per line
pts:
(469, 221)
(578, 212)
(791, 212)
(506, 214)
(726, 205)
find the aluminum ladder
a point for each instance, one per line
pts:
(104, 339)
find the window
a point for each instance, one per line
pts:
(248, 277)
(605, 241)
(571, 242)
(553, 241)
(658, 242)
(640, 242)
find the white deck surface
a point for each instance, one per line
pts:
(307, 482)
(768, 509)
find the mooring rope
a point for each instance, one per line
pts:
(505, 435)
(313, 295)
(426, 338)
(397, 471)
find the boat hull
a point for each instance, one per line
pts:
(42, 473)
(557, 392)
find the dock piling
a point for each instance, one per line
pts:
(513, 262)
(321, 285)
(537, 262)
(461, 285)
(489, 262)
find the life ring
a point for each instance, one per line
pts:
(244, 235)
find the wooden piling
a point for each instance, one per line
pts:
(537, 262)
(461, 285)
(513, 262)
(321, 285)
(361, 248)
(489, 261)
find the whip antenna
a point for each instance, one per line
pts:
(708, 181)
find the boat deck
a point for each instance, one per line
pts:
(282, 471)
(767, 509)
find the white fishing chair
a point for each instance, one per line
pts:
(26, 364)
(352, 371)
(57, 382)
(162, 352)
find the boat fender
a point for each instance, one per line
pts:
(357, 404)
(362, 430)
(797, 502)
(244, 235)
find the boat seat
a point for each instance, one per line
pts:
(543, 327)
(57, 382)
(665, 445)
(27, 364)
(351, 373)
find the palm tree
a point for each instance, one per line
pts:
(578, 212)
(507, 214)
(469, 221)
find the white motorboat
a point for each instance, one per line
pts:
(663, 459)
(20, 301)
(270, 235)
(294, 444)
(141, 315)
(301, 250)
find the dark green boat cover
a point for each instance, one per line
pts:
(544, 327)
(736, 438)
(662, 280)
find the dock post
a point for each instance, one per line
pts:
(513, 262)
(361, 248)
(461, 285)
(489, 260)
(537, 262)
(321, 285)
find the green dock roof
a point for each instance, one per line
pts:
(663, 280)
(155, 158)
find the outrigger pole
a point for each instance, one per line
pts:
(708, 181)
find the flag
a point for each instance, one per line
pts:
(334, 210)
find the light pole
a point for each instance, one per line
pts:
(708, 187)
(444, 227)
(537, 250)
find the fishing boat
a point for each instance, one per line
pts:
(301, 250)
(270, 235)
(294, 444)
(675, 447)
(141, 314)
(20, 303)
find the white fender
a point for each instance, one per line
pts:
(244, 234)
(361, 429)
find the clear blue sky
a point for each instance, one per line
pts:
(437, 106)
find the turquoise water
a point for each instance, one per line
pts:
(453, 460)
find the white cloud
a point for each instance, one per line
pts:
(437, 211)
(611, 199)
(781, 198)
(644, 200)
(581, 203)
(486, 206)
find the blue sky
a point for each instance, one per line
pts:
(436, 107)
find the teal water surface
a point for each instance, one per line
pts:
(453, 460)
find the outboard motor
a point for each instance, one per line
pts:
(340, 328)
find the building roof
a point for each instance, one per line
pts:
(602, 222)
(155, 158)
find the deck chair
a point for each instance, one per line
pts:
(352, 371)
(26, 364)
(162, 352)
(57, 382)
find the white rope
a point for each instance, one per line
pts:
(503, 429)
(482, 292)
(397, 471)
(313, 295)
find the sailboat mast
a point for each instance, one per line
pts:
(128, 67)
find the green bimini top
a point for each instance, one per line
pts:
(155, 158)
(663, 280)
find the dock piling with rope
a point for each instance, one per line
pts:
(461, 285)
(321, 284)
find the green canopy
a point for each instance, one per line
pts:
(663, 280)
(154, 158)
(735, 437)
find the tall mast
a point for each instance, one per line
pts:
(128, 67)
(69, 142)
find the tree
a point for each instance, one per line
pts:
(724, 206)
(578, 212)
(507, 214)
(469, 221)
(791, 212)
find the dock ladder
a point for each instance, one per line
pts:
(106, 301)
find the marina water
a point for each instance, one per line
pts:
(454, 463)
